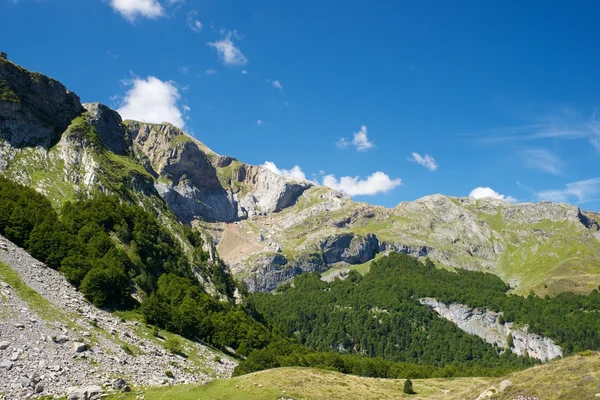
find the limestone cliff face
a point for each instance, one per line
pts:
(34, 109)
(198, 183)
(486, 325)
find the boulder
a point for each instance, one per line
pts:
(79, 347)
(6, 364)
(4, 345)
(119, 384)
(85, 393)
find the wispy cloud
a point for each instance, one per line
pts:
(193, 22)
(277, 85)
(378, 182)
(260, 122)
(244, 72)
(132, 9)
(360, 140)
(487, 192)
(566, 124)
(427, 161)
(210, 71)
(152, 100)
(577, 192)
(543, 160)
(295, 173)
(228, 52)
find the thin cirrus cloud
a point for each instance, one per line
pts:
(360, 140)
(543, 160)
(564, 124)
(378, 182)
(487, 192)
(578, 192)
(277, 85)
(228, 52)
(427, 161)
(132, 9)
(153, 100)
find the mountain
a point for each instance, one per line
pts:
(268, 228)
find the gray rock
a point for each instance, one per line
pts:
(79, 347)
(4, 345)
(19, 325)
(62, 339)
(119, 384)
(6, 364)
(85, 393)
(39, 388)
(25, 382)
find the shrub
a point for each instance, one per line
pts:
(174, 345)
(408, 387)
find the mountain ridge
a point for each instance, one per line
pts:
(268, 228)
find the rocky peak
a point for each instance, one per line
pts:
(34, 109)
(107, 122)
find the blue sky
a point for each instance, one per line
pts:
(389, 101)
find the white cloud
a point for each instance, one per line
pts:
(543, 160)
(295, 173)
(228, 53)
(360, 140)
(427, 161)
(131, 9)
(378, 182)
(276, 84)
(152, 100)
(193, 22)
(578, 192)
(244, 72)
(483, 192)
(261, 122)
(210, 71)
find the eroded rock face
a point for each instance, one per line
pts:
(109, 125)
(38, 110)
(198, 183)
(486, 325)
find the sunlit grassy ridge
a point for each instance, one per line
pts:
(576, 377)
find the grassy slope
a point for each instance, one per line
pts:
(575, 377)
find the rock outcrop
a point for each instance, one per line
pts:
(198, 183)
(486, 324)
(34, 109)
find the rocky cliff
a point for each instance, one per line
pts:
(198, 183)
(486, 324)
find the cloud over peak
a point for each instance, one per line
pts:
(579, 192)
(152, 100)
(484, 192)
(295, 173)
(378, 182)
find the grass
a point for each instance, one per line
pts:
(309, 383)
(6, 94)
(576, 377)
(37, 303)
